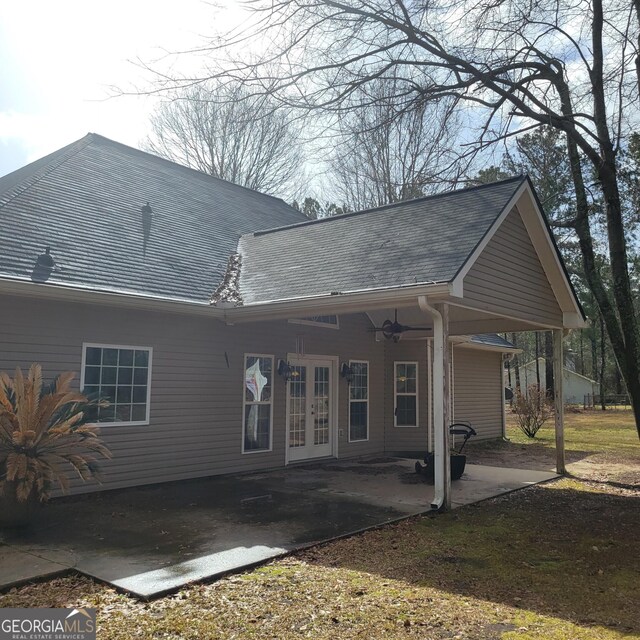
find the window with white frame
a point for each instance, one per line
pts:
(121, 375)
(406, 394)
(258, 403)
(359, 401)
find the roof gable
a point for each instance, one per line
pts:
(426, 240)
(509, 276)
(85, 202)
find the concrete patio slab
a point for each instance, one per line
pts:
(155, 539)
(18, 567)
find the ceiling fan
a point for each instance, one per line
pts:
(392, 330)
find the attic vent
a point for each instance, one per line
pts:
(45, 261)
(43, 267)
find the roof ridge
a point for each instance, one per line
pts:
(185, 167)
(433, 196)
(59, 157)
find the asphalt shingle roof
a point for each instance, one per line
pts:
(85, 202)
(417, 241)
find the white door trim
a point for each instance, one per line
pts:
(335, 361)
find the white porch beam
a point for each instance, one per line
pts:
(558, 402)
(439, 314)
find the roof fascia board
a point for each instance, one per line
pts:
(487, 347)
(457, 283)
(80, 295)
(463, 341)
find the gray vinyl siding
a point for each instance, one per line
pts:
(406, 439)
(195, 425)
(508, 277)
(478, 393)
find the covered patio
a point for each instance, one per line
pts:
(152, 540)
(492, 265)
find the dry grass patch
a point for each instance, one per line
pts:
(555, 561)
(600, 445)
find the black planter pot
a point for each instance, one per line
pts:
(458, 464)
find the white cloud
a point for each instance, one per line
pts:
(59, 61)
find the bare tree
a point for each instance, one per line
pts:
(224, 131)
(384, 155)
(512, 66)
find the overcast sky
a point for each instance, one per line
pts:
(59, 59)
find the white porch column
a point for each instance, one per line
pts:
(439, 314)
(558, 362)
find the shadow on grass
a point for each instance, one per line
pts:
(553, 549)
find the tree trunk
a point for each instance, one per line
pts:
(621, 323)
(537, 347)
(548, 363)
(603, 361)
(516, 359)
(622, 333)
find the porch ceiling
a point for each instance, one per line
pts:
(462, 321)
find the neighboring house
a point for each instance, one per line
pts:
(575, 386)
(232, 334)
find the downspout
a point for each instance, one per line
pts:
(442, 474)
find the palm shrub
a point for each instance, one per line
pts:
(44, 430)
(532, 409)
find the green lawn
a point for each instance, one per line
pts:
(557, 561)
(588, 431)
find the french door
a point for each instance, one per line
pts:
(310, 409)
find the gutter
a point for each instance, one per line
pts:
(338, 302)
(355, 301)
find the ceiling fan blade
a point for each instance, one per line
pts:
(405, 328)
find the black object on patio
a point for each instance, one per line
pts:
(458, 460)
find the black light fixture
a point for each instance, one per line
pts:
(286, 370)
(346, 372)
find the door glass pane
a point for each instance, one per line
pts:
(297, 406)
(321, 406)
(406, 411)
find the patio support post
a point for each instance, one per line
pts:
(558, 362)
(439, 315)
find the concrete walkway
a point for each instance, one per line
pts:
(152, 540)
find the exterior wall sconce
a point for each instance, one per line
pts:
(346, 372)
(286, 370)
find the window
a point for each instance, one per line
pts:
(120, 375)
(328, 321)
(258, 403)
(406, 394)
(359, 401)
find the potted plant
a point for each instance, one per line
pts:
(44, 432)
